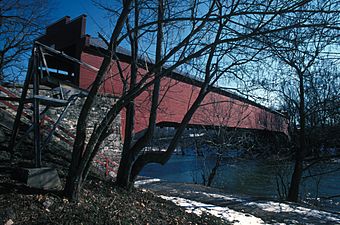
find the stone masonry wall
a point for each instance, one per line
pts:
(109, 154)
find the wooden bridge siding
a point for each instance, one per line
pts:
(178, 96)
(70, 35)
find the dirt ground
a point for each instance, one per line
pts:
(100, 203)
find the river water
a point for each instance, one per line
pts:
(253, 178)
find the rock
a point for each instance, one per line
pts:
(43, 178)
(4, 155)
(47, 203)
(9, 222)
(7, 215)
(3, 136)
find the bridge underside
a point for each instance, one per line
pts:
(205, 139)
(215, 127)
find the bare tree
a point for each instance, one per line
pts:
(215, 33)
(219, 61)
(219, 138)
(82, 156)
(21, 21)
(300, 49)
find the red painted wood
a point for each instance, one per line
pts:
(178, 96)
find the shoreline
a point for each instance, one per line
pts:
(236, 209)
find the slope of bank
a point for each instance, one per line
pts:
(198, 199)
(100, 203)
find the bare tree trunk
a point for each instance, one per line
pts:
(214, 170)
(75, 173)
(124, 171)
(163, 157)
(293, 193)
(125, 168)
(1, 66)
(130, 153)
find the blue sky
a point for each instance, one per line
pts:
(95, 17)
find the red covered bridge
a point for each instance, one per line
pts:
(219, 108)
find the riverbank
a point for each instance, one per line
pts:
(101, 203)
(260, 178)
(152, 202)
(198, 199)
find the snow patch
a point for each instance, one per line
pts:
(225, 213)
(146, 181)
(277, 207)
(224, 197)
